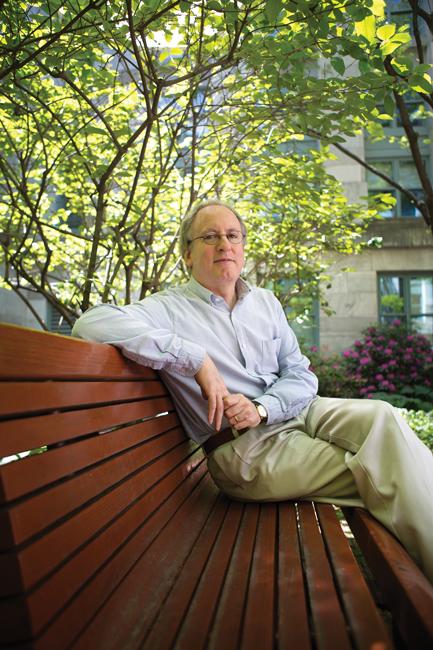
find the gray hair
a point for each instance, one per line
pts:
(186, 225)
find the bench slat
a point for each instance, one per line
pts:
(293, 622)
(227, 623)
(34, 432)
(52, 356)
(182, 608)
(365, 622)
(28, 517)
(22, 397)
(47, 552)
(128, 608)
(401, 582)
(201, 611)
(327, 617)
(46, 601)
(258, 625)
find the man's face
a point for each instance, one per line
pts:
(215, 267)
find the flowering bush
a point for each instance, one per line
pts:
(331, 371)
(389, 361)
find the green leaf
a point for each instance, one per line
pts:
(366, 28)
(389, 106)
(338, 65)
(385, 32)
(364, 66)
(273, 8)
(421, 84)
(389, 47)
(378, 8)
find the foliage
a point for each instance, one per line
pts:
(387, 363)
(422, 423)
(389, 360)
(115, 116)
(395, 52)
(331, 371)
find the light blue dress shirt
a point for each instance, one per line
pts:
(252, 346)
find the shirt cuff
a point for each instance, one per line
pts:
(277, 413)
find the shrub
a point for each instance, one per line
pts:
(392, 364)
(422, 423)
(331, 371)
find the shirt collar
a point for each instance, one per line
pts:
(242, 290)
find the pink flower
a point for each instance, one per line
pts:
(379, 377)
(365, 361)
(387, 351)
(314, 348)
(347, 353)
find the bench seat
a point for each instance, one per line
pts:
(113, 535)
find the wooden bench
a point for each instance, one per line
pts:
(113, 536)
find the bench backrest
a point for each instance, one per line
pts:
(106, 452)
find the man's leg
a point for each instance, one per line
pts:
(278, 462)
(393, 469)
(339, 451)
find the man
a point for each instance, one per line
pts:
(245, 392)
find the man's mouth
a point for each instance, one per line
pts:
(224, 259)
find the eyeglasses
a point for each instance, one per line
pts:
(212, 238)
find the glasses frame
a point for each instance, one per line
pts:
(218, 238)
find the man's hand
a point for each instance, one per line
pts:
(213, 390)
(240, 411)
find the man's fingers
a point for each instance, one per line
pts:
(231, 400)
(211, 408)
(219, 412)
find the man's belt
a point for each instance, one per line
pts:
(217, 439)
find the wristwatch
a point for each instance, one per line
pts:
(261, 411)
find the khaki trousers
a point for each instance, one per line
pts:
(344, 451)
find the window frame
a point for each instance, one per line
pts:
(395, 175)
(407, 315)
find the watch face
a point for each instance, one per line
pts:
(262, 411)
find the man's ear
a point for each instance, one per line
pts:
(187, 258)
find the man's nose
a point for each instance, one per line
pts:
(223, 242)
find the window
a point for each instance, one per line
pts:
(404, 172)
(56, 322)
(409, 298)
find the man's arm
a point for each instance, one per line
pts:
(296, 385)
(144, 334)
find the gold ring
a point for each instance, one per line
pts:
(236, 418)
